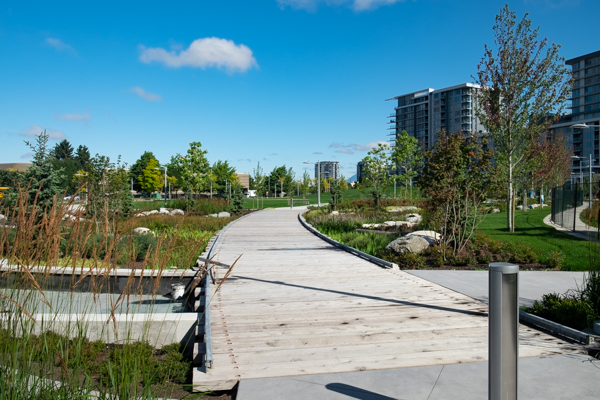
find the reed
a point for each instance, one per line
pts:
(44, 351)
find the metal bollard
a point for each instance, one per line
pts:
(503, 361)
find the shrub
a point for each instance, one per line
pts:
(555, 260)
(566, 310)
(411, 260)
(135, 247)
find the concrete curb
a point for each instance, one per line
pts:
(358, 253)
(554, 327)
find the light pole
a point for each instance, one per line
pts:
(318, 164)
(585, 126)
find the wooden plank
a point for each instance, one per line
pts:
(297, 305)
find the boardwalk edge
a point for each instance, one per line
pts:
(351, 250)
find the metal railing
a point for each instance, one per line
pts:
(565, 200)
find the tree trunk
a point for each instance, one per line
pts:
(511, 199)
(525, 195)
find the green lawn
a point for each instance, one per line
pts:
(350, 194)
(580, 255)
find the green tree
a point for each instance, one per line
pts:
(109, 194)
(337, 193)
(257, 180)
(407, 159)
(305, 184)
(237, 201)
(376, 166)
(276, 185)
(42, 179)
(63, 150)
(151, 178)
(194, 169)
(138, 167)
(224, 176)
(82, 157)
(456, 180)
(522, 86)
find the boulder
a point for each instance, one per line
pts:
(389, 223)
(213, 215)
(2, 217)
(371, 226)
(403, 208)
(405, 244)
(224, 214)
(142, 231)
(163, 211)
(413, 218)
(177, 212)
(495, 210)
(152, 212)
(532, 206)
(335, 213)
(519, 207)
(432, 237)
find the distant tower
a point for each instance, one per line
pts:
(329, 169)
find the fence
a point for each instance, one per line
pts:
(565, 200)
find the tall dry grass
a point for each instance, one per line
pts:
(42, 355)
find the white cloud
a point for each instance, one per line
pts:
(356, 5)
(60, 45)
(349, 148)
(344, 151)
(73, 117)
(204, 53)
(35, 130)
(145, 95)
(317, 153)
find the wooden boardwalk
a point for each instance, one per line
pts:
(296, 305)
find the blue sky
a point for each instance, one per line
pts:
(270, 81)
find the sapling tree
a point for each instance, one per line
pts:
(406, 158)
(455, 180)
(194, 170)
(376, 166)
(524, 88)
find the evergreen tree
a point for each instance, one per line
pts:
(63, 150)
(237, 200)
(83, 158)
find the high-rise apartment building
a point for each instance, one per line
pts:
(425, 113)
(585, 109)
(329, 169)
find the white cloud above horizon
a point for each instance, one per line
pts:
(350, 148)
(356, 5)
(145, 95)
(59, 45)
(73, 117)
(35, 130)
(203, 53)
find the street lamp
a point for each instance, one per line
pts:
(318, 164)
(165, 184)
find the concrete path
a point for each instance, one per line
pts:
(296, 305)
(566, 377)
(582, 230)
(532, 284)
